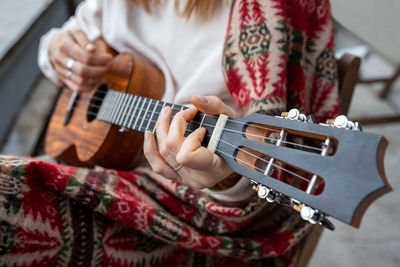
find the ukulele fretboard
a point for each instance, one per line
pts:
(141, 113)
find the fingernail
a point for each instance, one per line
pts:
(203, 99)
(90, 46)
(165, 110)
(146, 135)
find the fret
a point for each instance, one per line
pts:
(117, 107)
(103, 107)
(125, 117)
(111, 106)
(202, 120)
(128, 114)
(159, 112)
(145, 113)
(174, 111)
(152, 114)
(122, 108)
(207, 121)
(125, 114)
(133, 114)
(137, 117)
(141, 114)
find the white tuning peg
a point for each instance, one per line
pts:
(294, 114)
(343, 122)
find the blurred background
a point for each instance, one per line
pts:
(368, 29)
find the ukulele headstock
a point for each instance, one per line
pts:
(320, 170)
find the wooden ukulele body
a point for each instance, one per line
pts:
(86, 141)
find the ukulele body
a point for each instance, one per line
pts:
(86, 141)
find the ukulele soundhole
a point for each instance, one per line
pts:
(95, 102)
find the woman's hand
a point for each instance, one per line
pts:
(183, 159)
(77, 62)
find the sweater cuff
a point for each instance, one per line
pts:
(44, 59)
(239, 193)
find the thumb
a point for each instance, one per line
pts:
(212, 105)
(81, 38)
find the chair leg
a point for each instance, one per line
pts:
(388, 86)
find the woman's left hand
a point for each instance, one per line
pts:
(181, 158)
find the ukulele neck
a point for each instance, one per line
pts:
(141, 113)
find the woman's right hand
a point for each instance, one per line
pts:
(88, 64)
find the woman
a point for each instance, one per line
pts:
(276, 55)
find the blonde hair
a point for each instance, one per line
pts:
(200, 8)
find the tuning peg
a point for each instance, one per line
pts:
(311, 119)
(343, 122)
(313, 216)
(294, 114)
(266, 193)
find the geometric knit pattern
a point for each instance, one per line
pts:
(57, 215)
(279, 54)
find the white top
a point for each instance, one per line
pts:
(190, 63)
(187, 51)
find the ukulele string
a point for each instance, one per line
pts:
(259, 158)
(242, 150)
(229, 130)
(213, 116)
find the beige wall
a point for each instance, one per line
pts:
(377, 22)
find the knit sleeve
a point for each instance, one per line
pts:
(280, 55)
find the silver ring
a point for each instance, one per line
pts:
(178, 168)
(70, 63)
(69, 74)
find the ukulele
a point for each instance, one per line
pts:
(337, 170)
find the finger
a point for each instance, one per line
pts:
(81, 38)
(67, 80)
(155, 160)
(212, 105)
(192, 154)
(162, 129)
(78, 80)
(73, 50)
(73, 86)
(178, 128)
(162, 126)
(83, 70)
